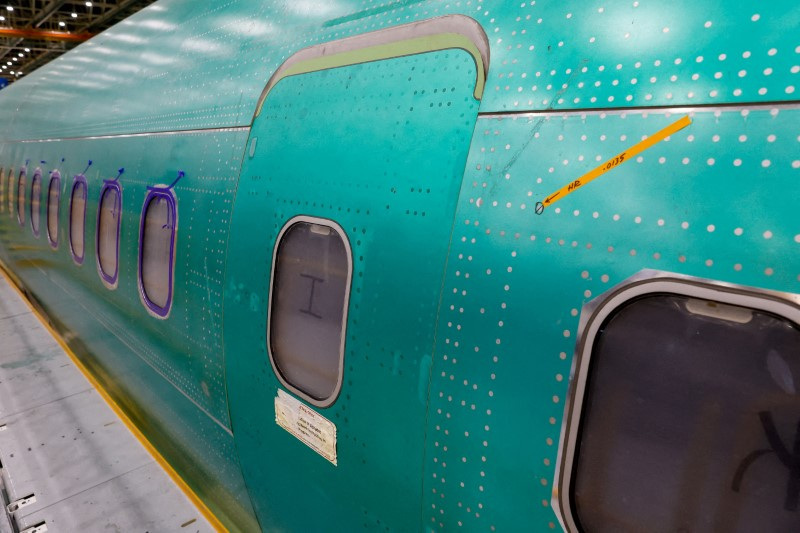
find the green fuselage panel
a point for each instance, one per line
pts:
(380, 149)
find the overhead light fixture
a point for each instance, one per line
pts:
(14, 59)
(2, 18)
(19, 73)
(9, 8)
(12, 72)
(21, 54)
(74, 15)
(27, 49)
(62, 23)
(8, 62)
(88, 4)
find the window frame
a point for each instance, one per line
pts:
(55, 177)
(3, 187)
(594, 315)
(36, 229)
(9, 187)
(346, 306)
(111, 282)
(78, 179)
(159, 191)
(20, 209)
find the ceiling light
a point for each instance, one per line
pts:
(62, 23)
(12, 72)
(21, 54)
(2, 18)
(9, 8)
(15, 59)
(88, 4)
(74, 15)
(8, 62)
(27, 49)
(19, 73)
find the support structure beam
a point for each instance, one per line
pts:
(45, 35)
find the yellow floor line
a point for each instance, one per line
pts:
(201, 506)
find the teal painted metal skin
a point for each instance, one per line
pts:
(464, 305)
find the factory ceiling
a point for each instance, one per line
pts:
(34, 32)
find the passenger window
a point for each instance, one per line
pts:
(53, 201)
(10, 189)
(77, 218)
(311, 272)
(21, 197)
(109, 213)
(36, 195)
(157, 251)
(691, 417)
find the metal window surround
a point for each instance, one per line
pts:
(55, 181)
(35, 204)
(78, 181)
(110, 280)
(165, 193)
(327, 402)
(594, 314)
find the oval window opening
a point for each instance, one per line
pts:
(36, 198)
(21, 197)
(77, 219)
(10, 192)
(686, 412)
(311, 273)
(157, 251)
(53, 201)
(109, 213)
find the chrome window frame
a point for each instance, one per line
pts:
(328, 223)
(594, 314)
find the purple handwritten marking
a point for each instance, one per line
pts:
(79, 186)
(155, 194)
(110, 279)
(55, 181)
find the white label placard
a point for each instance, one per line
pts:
(316, 431)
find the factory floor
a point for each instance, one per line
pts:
(68, 461)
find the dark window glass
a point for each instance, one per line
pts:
(108, 218)
(156, 255)
(691, 421)
(21, 198)
(36, 196)
(53, 201)
(77, 219)
(310, 286)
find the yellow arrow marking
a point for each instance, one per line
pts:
(615, 161)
